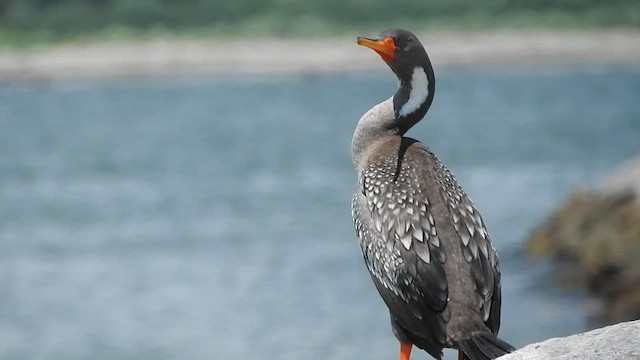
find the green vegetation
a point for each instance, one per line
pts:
(35, 21)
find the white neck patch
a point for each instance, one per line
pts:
(419, 92)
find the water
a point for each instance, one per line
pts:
(209, 218)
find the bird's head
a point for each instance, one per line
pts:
(406, 57)
(400, 49)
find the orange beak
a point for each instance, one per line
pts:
(386, 47)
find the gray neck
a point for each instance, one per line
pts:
(395, 116)
(377, 124)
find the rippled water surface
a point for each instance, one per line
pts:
(209, 218)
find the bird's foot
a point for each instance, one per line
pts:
(405, 351)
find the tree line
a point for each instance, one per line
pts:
(294, 16)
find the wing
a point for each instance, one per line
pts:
(401, 247)
(477, 247)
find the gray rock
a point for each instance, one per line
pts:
(620, 341)
(626, 178)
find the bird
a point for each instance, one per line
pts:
(423, 240)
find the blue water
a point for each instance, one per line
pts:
(209, 218)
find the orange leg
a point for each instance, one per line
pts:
(405, 351)
(461, 355)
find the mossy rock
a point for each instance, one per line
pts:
(594, 240)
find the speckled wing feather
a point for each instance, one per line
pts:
(400, 243)
(477, 248)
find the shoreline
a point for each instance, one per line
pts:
(186, 57)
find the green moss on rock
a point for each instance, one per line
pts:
(594, 240)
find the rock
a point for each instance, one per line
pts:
(594, 240)
(625, 179)
(616, 342)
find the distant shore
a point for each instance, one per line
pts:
(180, 57)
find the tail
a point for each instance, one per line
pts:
(483, 346)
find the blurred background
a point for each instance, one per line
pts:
(58, 20)
(206, 215)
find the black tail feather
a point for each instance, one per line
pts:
(484, 346)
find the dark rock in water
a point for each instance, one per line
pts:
(594, 241)
(619, 342)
